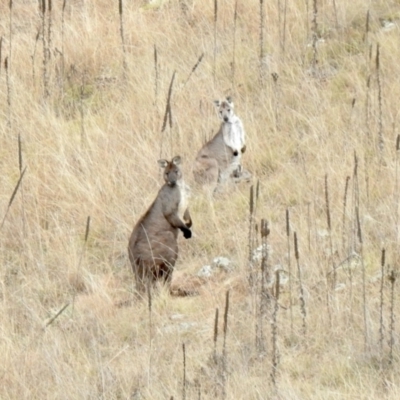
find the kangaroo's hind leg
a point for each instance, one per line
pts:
(206, 170)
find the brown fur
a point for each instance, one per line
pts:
(153, 246)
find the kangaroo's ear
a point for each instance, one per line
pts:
(229, 100)
(162, 163)
(217, 103)
(176, 160)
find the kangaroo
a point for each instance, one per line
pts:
(219, 159)
(153, 246)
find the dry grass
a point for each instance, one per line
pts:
(102, 345)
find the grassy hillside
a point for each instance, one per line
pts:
(82, 105)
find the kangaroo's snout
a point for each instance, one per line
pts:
(172, 176)
(226, 119)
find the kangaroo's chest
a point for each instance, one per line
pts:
(183, 198)
(233, 135)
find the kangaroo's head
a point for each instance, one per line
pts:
(172, 172)
(225, 109)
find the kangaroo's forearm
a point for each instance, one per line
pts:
(187, 218)
(175, 221)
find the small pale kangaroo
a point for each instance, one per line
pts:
(219, 159)
(153, 246)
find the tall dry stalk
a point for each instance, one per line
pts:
(367, 20)
(56, 315)
(20, 165)
(284, 28)
(355, 203)
(233, 70)
(251, 277)
(307, 21)
(261, 44)
(224, 350)
(8, 84)
(184, 372)
(396, 191)
(121, 32)
(265, 296)
(265, 271)
(49, 26)
(1, 50)
(364, 292)
(275, 77)
(33, 56)
(346, 188)
(168, 113)
(368, 81)
(367, 107)
(83, 252)
(82, 111)
(194, 68)
(62, 44)
(314, 30)
(215, 337)
(45, 72)
(301, 290)
(10, 31)
(380, 121)
(279, 7)
(328, 221)
(392, 280)
(12, 197)
(150, 309)
(274, 333)
(156, 76)
(381, 323)
(309, 225)
(215, 40)
(335, 14)
(289, 270)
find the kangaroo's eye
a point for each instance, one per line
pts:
(229, 110)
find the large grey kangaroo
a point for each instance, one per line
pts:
(220, 158)
(153, 246)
